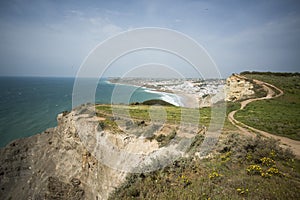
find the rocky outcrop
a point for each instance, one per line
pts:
(55, 165)
(238, 88)
(81, 159)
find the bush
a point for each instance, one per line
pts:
(254, 149)
(164, 140)
(101, 125)
(254, 170)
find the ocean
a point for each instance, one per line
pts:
(29, 105)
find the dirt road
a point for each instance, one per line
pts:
(250, 131)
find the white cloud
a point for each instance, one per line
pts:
(111, 29)
(82, 24)
(102, 27)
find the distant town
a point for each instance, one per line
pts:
(193, 86)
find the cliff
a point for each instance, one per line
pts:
(66, 162)
(55, 165)
(238, 88)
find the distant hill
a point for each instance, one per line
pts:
(157, 102)
(271, 73)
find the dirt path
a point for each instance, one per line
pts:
(245, 129)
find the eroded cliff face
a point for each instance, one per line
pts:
(79, 159)
(66, 162)
(55, 165)
(238, 88)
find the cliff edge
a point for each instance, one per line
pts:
(238, 88)
(55, 165)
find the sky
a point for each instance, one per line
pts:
(52, 38)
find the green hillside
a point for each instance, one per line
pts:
(280, 116)
(238, 168)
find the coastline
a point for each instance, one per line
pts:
(168, 97)
(190, 93)
(174, 99)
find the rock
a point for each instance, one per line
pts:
(60, 190)
(238, 88)
(75, 182)
(44, 166)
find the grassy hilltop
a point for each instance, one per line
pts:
(280, 115)
(239, 167)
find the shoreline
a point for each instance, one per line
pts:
(190, 93)
(179, 97)
(168, 97)
(165, 96)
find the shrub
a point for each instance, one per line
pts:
(267, 161)
(102, 125)
(164, 140)
(255, 149)
(242, 191)
(254, 170)
(273, 170)
(214, 175)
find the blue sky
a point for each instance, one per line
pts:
(52, 38)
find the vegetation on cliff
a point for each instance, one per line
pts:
(241, 168)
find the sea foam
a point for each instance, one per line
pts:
(168, 97)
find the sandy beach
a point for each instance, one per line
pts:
(191, 93)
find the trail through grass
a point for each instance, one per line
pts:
(280, 116)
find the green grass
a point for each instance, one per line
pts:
(280, 116)
(169, 114)
(223, 177)
(230, 173)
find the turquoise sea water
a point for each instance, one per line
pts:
(29, 105)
